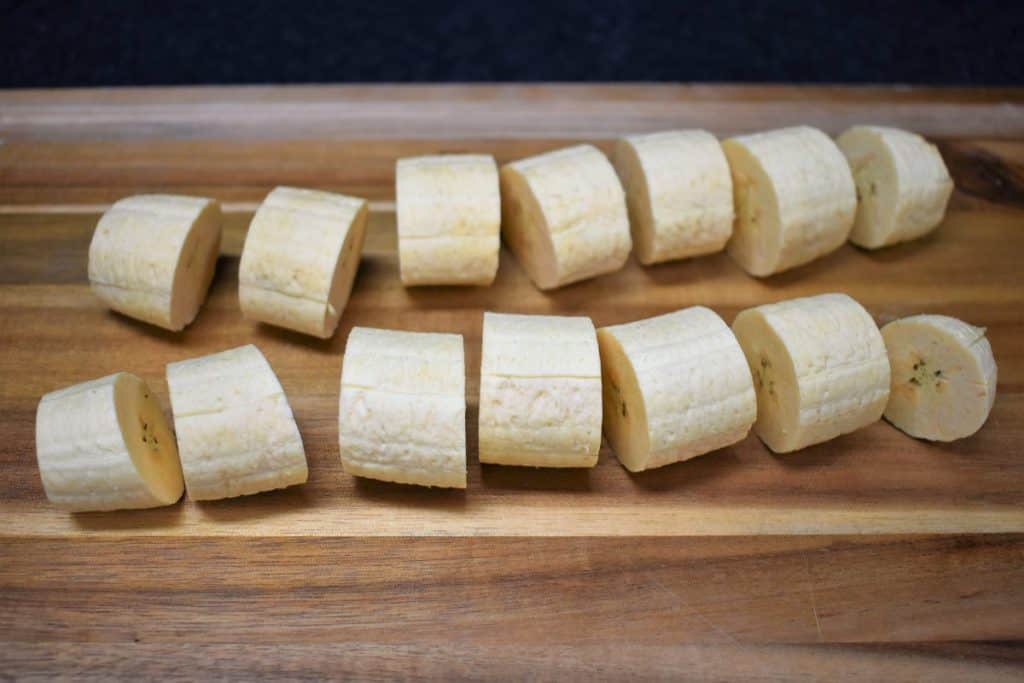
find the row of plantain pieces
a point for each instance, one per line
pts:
(662, 390)
(674, 386)
(775, 200)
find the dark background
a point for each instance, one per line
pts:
(46, 43)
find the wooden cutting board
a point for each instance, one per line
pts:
(873, 556)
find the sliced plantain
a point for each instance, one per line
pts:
(679, 193)
(300, 259)
(236, 432)
(402, 412)
(943, 377)
(564, 217)
(675, 386)
(819, 367)
(794, 196)
(540, 391)
(449, 219)
(902, 184)
(105, 445)
(152, 257)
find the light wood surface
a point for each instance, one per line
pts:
(872, 556)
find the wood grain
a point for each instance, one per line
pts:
(467, 111)
(872, 556)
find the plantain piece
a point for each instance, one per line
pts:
(902, 184)
(679, 193)
(794, 197)
(236, 432)
(105, 445)
(152, 257)
(402, 412)
(943, 377)
(449, 219)
(564, 217)
(300, 259)
(540, 391)
(675, 386)
(819, 367)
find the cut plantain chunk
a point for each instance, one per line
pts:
(902, 184)
(794, 196)
(540, 391)
(152, 257)
(236, 433)
(679, 193)
(105, 445)
(675, 386)
(564, 216)
(819, 367)
(449, 218)
(943, 377)
(402, 413)
(300, 258)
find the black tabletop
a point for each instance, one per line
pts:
(48, 43)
